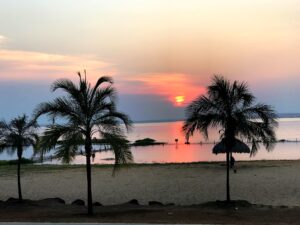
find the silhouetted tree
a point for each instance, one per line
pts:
(14, 136)
(84, 112)
(230, 106)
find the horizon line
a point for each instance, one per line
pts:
(280, 115)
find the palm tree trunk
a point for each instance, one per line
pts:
(19, 174)
(88, 149)
(229, 138)
(227, 178)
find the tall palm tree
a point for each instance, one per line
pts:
(14, 136)
(85, 112)
(230, 107)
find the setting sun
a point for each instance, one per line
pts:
(179, 99)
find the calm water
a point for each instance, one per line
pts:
(289, 128)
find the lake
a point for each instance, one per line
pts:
(289, 129)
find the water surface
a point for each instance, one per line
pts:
(289, 129)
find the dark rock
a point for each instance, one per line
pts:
(97, 204)
(260, 205)
(52, 201)
(132, 202)
(12, 200)
(224, 204)
(170, 204)
(78, 202)
(155, 203)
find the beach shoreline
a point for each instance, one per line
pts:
(259, 182)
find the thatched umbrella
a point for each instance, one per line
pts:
(238, 147)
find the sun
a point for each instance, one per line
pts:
(179, 99)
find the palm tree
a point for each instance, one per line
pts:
(14, 136)
(231, 107)
(85, 112)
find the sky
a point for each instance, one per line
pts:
(161, 53)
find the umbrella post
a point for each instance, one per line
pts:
(227, 177)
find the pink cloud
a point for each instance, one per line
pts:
(28, 65)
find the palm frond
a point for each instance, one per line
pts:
(68, 147)
(101, 80)
(121, 149)
(113, 119)
(86, 111)
(231, 106)
(18, 134)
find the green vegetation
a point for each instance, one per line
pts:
(15, 162)
(7, 169)
(147, 142)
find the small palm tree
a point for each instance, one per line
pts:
(230, 106)
(85, 112)
(14, 136)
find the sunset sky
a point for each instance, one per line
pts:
(161, 53)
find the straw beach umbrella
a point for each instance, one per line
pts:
(238, 147)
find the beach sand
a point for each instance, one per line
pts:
(259, 182)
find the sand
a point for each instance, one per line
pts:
(261, 182)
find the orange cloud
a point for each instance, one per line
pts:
(16, 65)
(170, 86)
(28, 65)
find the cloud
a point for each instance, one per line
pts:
(3, 39)
(167, 85)
(28, 65)
(40, 67)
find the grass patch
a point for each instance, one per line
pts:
(15, 162)
(8, 169)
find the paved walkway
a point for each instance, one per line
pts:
(28, 223)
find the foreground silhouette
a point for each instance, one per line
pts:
(208, 213)
(14, 136)
(86, 111)
(230, 106)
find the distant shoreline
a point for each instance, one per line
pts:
(280, 115)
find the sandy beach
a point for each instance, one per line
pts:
(260, 182)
